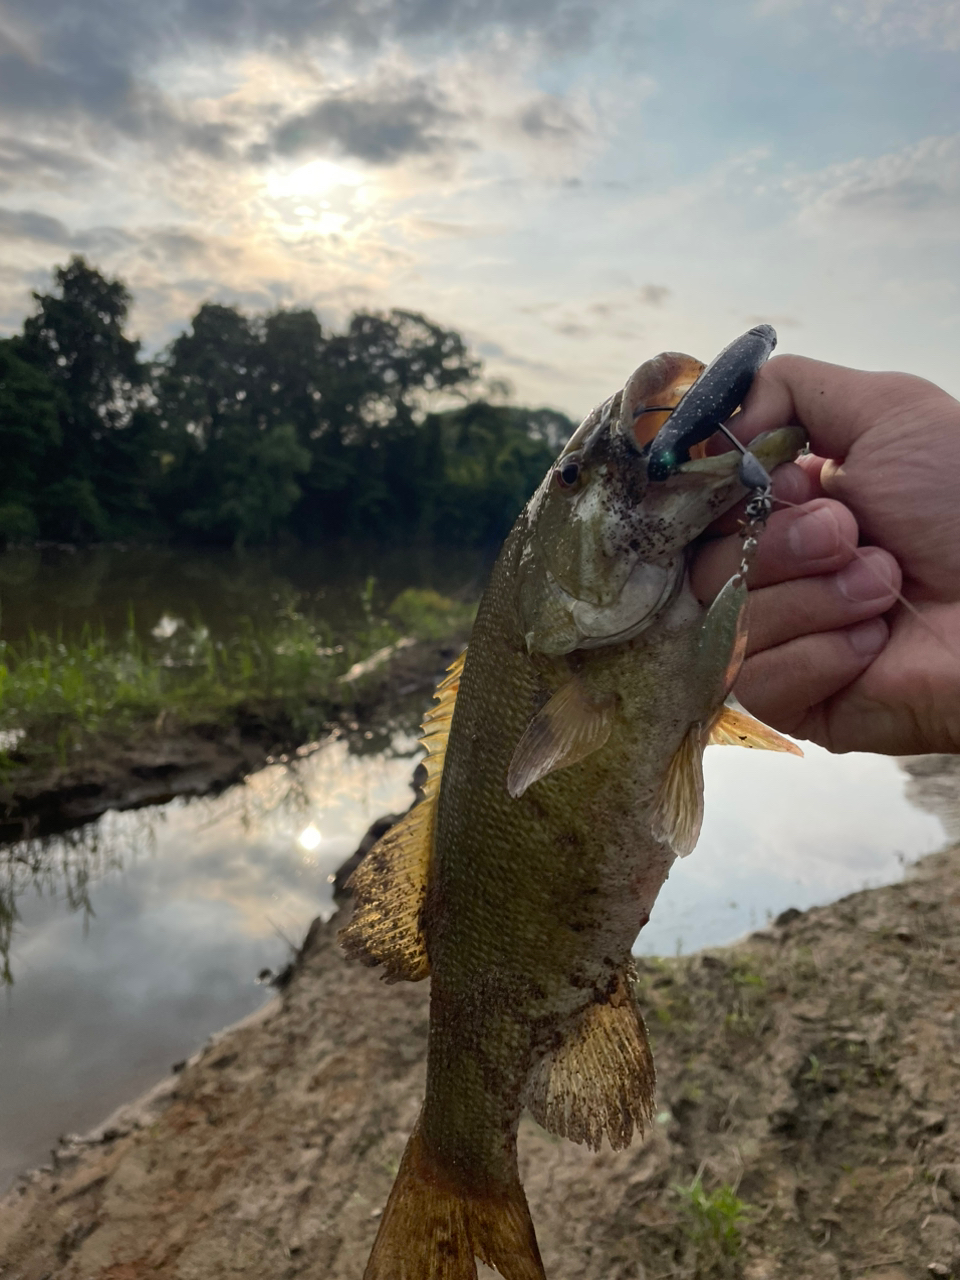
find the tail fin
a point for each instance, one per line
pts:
(432, 1230)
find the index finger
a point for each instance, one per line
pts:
(835, 404)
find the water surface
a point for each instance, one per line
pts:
(187, 903)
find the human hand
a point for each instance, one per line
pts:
(832, 656)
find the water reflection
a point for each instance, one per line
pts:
(62, 589)
(182, 907)
(179, 909)
(781, 832)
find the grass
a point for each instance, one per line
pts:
(713, 1220)
(61, 696)
(57, 693)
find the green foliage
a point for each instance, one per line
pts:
(57, 694)
(713, 1219)
(430, 615)
(92, 481)
(29, 432)
(248, 429)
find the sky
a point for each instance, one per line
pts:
(573, 186)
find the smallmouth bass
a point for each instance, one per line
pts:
(564, 761)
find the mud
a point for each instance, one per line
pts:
(812, 1069)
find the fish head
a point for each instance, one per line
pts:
(604, 546)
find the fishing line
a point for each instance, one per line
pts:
(911, 608)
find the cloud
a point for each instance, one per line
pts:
(912, 191)
(934, 23)
(380, 125)
(778, 322)
(550, 119)
(99, 56)
(26, 224)
(24, 161)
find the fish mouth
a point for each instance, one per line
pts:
(677, 510)
(771, 449)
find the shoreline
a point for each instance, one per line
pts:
(813, 1065)
(157, 762)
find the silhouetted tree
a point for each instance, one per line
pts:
(249, 428)
(95, 485)
(29, 433)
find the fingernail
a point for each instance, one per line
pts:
(869, 638)
(815, 536)
(865, 578)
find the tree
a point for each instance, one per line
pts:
(493, 462)
(96, 480)
(250, 427)
(29, 431)
(235, 463)
(375, 466)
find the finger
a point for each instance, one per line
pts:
(802, 542)
(783, 685)
(812, 467)
(866, 587)
(792, 486)
(835, 404)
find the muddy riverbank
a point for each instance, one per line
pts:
(156, 761)
(813, 1067)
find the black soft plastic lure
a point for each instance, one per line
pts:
(716, 394)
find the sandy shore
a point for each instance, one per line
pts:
(814, 1066)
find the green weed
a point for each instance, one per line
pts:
(59, 693)
(713, 1219)
(429, 614)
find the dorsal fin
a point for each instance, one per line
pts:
(390, 884)
(600, 1080)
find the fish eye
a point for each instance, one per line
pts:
(568, 473)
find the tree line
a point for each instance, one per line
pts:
(247, 429)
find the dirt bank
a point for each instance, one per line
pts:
(156, 761)
(815, 1067)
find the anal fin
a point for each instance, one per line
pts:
(601, 1079)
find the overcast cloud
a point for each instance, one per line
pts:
(573, 185)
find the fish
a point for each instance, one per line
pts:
(564, 777)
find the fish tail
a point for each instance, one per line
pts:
(432, 1229)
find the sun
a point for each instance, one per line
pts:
(315, 179)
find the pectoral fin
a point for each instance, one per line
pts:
(734, 728)
(601, 1079)
(566, 730)
(678, 809)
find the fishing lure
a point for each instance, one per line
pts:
(713, 398)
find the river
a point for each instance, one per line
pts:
(145, 932)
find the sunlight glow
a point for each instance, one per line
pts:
(311, 180)
(309, 838)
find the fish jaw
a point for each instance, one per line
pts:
(599, 566)
(679, 509)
